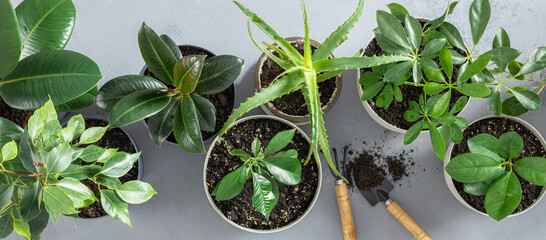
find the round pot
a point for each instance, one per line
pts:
(209, 54)
(373, 114)
(270, 109)
(449, 180)
(211, 201)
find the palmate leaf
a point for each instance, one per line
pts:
(10, 42)
(339, 35)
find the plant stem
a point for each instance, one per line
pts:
(11, 204)
(20, 174)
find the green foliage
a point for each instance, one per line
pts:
(441, 42)
(44, 164)
(265, 167)
(490, 169)
(33, 65)
(173, 102)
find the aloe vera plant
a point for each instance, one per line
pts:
(400, 34)
(302, 73)
(174, 102)
(492, 168)
(264, 166)
(41, 167)
(33, 65)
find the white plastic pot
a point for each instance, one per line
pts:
(211, 201)
(449, 180)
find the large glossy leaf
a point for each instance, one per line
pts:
(60, 75)
(30, 202)
(398, 11)
(161, 125)
(83, 101)
(172, 45)
(472, 167)
(487, 145)
(441, 106)
(119, 164)
(345, 63)
(45, 24)
(434, 47)
(115, 206)
(137, 106)
(535, 62)
(480, 12)
(501, 39)
(279, 141)
(57, 200)
(263, 198)
(81, 195)
(512, 107)
(390, 26)
(339, 35)
(218, 74)
(6, 225)
(158, 56)
(503, 55)
(495, 104)
(206, 113)
(388, 45)
(477, 90)
(6, 192)
(438, 143)
(413, 132)
(446, 62)
(80, 173)
(187, 72)
(232, 184)
(10, 42)
(285, 167)
(28, 154)
(503, 196)
(532, 169)
(116, 89)
(475, 67)
(38, 224)
(511, 145)
(453, 36)
(135, 192)
(528, 99)
(397, 71)
(190, 121)
(58, 159)
(181, 135)
(414, 31)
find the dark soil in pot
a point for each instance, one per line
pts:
(496, 127)
(395, 113)
(294, 103)
(223, 101)
(293, 200)
(19, 117)
(113, 138)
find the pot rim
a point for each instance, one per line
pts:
(270, 109)
(211, 201)
(449, 180)
(376, 116)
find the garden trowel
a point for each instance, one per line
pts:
(381, 194)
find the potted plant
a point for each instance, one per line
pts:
(172, 104)
(442, 74)
(292, 106)
(42, 168)
(304, 72)
(271, 151)
(33, 65)
(500, 167)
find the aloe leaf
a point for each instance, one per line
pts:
(345, 63)
(282, 63)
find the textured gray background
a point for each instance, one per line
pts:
(106, 31)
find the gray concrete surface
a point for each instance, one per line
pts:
(106, 31)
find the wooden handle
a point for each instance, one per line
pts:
(404, 218)
(345, 211)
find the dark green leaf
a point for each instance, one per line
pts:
(429, 64)
(156, 53)
(368, 78)
(503, 55)
(161, 125)
(457, 59)
(438, 21)
(135, 192)
(137, 106)
(182, 137)
(6, 225)
(417, 74)
(92, 135)
(411, 116)
(172, 45)
(434, 47)
(80, 173)
(279, 141)
(431, 35)
(501, 39)
(397, 71)
(6, 192)
(441, 106)
(436, 76)
(285, 167)
(187, 72)
(532, 169)
(240, 153)
(256, 147)
(438, 143)
(514, 67)
(503, 196)
(446, 62)
(472, 167)
(495, 104)
(49, 75)
(487, 145)
(27, 153)
(263, 198)
(477, 90)
(455, 133)
(480, 188)
(116, 89)
(218, 74)
(231, 185)
(206, 113)
(392, 28)
(528, 99)
(459, 105)
(399, 11)
(38, 224)
(512, 107)
(413, 132)
(446, 133)
(119, 164)
(371, 91)
(535, 62)
(29, 205)
(110, 182)
(480, 12)
(58, 159)
(92, 153)
(452, 35)
(413, 29)
(511, 145)
(83, 101)
(57, 200)
(389, 46)
(191, 122)
(397, 93)
(385, 98)
(115, 206)
(10, 42)
(475, 67)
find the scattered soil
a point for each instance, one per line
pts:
(113, 138)
(394, 114)
(293, 200)
(19, 117)
(294, 103)
(223, 101)
(532, 148)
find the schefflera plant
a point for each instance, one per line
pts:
(438, 40)
(303, 73)
(264, 166)
(174, 102)
(490, 169)
(43, 164)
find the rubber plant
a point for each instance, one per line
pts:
(492, 168)
(436, 40)
(303, 72)
(43, 164)
(33, 65)
(174, 102)
(264, 166)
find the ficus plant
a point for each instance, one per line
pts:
(492, 168)
(433, 49)
(42, 165)
(304, 72)
(264, 166)
(33, 65)
(174, 102)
